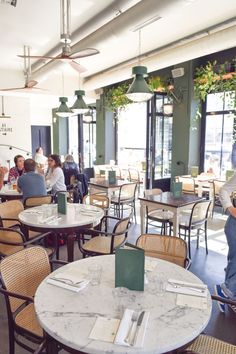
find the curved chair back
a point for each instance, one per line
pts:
(127, 192)
(170, 248)
(134, 175)
(154, 191)
(37, 200)
(98, 200)
(119, 233)
(199, 213)
(10, 210)
(117, 170)
(22, 272)
(11, 241)
(188, 184)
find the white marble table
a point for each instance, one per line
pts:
(9, 194)
(45, 218)
(69, 317)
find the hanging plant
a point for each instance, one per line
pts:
(157, 84)
(213, 78)
(115, 97)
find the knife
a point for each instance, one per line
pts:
(139, 322)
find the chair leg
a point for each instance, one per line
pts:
(206, 237)
(11, 339)
(134, 208)
(189, 245)
(146, 225)
(198, 234)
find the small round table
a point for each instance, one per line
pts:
(45, 218)
(69, 317)
(9, 194)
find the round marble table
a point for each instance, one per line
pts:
(45, 218)
(69, 317)
(9, 194)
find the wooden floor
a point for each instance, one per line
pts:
(209, 268)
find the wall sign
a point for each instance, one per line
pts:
(5, 128)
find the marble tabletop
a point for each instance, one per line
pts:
(46, 216)
(69, 317)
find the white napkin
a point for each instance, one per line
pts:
(68, 281)
(182, 287)
(125, 325)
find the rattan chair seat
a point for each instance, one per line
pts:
(27, 320)
(209, 345)
(160, 215)
(102, 244)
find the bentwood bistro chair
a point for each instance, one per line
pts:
(37, 201)
(21, 274)
(125, 197)
(170, 248)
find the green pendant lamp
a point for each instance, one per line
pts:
(139, 90)
(80, 106)
(63, 110)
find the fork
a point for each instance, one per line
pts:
(134, 319)
(187, 287)
(67, 281)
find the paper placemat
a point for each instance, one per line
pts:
(105, 329)
(191, 301)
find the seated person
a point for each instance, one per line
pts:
(3, 171)
(18, 169)
(70, 168)
(41, 160)
(55, 177)
(31, 184)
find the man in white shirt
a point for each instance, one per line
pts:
(228, 288)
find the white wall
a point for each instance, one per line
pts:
(20, 136)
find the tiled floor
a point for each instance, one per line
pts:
(210, 268)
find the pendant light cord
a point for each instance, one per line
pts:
(139, 47)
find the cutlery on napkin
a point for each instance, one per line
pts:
(68, 281)
(138, 330)
(182, 287)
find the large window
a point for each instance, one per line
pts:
(132, 135)
(219, 136)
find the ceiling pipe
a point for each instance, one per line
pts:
(195, 36)
(128, 20)
(108, 14)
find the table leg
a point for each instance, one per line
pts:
(176, 223)
(142, 217)
(70, 247)
(51, 345)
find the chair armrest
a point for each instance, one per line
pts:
(37, 238)
(188, 263)
(12, 219)
(57, 261)
(17, 296)
(224, 300)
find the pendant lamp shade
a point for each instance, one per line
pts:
(139, 90)
(63, 110)
(79, 106)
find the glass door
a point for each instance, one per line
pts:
(159, 143)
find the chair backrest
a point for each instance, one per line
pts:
(199, 213)
(170, 248)
(217, 186)
(188, 184)
(154, 191)
(10, 209)
(127, 191)
(99, 200)
(134, 175)
(119, 233)
(22, 272)
(117, 170)
(37, 200)
(11, 241)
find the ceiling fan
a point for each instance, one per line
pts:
(66, 55)
(29, 83)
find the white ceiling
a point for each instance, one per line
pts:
(102, 24)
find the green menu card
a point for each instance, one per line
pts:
(129, 268)
(112, 177)
(229, 174)
(177, 189)
(194, 170)
(62, 203)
